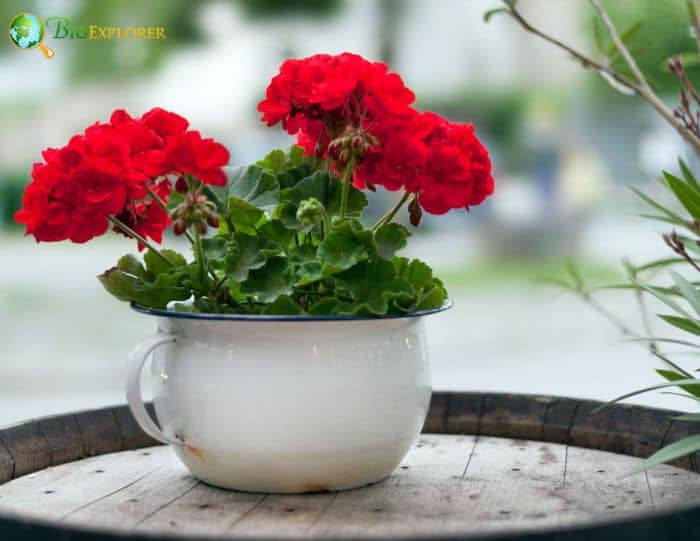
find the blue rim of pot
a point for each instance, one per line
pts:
(259, 317)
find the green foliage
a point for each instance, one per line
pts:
(682, 296)
(282, 248)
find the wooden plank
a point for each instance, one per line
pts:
(132, 435)
(596, 487)
(64, 438)
(7, 463)
(446, 484)
(463, 413)
(641, 430)
(28, 447)
(435, 420)
(278, 515)
(513, 416)
(204, 510)
(138, 501)
(100, 431)
(670, 485)
(590, 429)
(509, 484)
(558, 419)
(410, 501)
(93, 479)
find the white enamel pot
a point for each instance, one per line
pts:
(285, 403)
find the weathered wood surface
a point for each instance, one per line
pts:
(447, 484)
(59, 478)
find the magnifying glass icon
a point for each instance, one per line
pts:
(26, 31)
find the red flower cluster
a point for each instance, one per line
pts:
(319, 96)
(345, 100)
(113, 169)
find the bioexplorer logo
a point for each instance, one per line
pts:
(27, 31)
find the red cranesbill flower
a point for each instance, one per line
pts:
(108, 171)
(203, 158)
(319, 96)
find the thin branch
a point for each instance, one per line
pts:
(586, 61)
(130, 232)
(646, 322)
(643, 88)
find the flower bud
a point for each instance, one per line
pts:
(181, 185)
(179, 226)
(213, 220)
(310, 212)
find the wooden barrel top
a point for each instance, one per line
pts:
(496, 466)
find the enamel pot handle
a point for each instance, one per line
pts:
(136, 362)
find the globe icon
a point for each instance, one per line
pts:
(27, 31)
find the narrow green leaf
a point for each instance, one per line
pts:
(688, 290)
(678, 383)
(670, 452)
(688, 196)
(490, 13)
(626, 37)
(688, 174)
(683, 323)
(672, 375)
(675, 218)
(690, 417)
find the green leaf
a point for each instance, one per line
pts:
(215, 250)
(306, 264)
(129, 287)
(289, 167)
(677, 383)
(429, 292)
(268, 282)
(131, 265)
(344, 246)
(247, 253)
(283, 305)
(682, 323)
(672, 375)
(373, 284)
(672, 216)
(688, 290)
(390, 238)
(243, 215)
(689, 417)
(688, 196)
(325, 307)
(327, 188)
(490, 13)
(670, 452)
(255, 186)
(275, 230)
(155, 265)
(688, 174)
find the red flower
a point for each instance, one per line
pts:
(109, 170)
(320, 96)
(458, 169)
(203, 158)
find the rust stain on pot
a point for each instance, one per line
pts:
(196, 451)
(313, 487)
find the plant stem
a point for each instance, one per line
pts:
(347, 174)
(392, 212)
(613, 78)
(644, 90)
(199, 256)
(126, 229)
(164, 206)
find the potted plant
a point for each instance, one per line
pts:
(293, 352)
